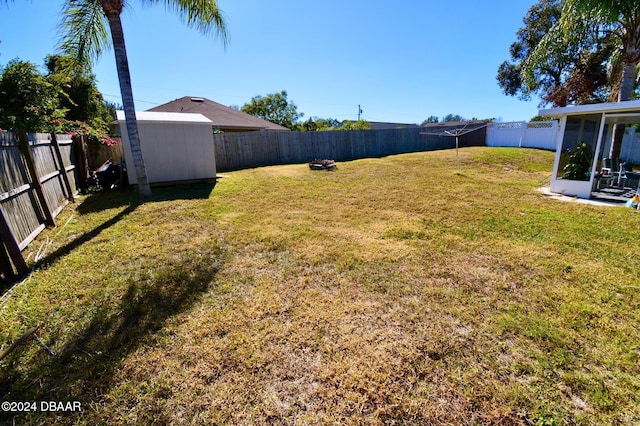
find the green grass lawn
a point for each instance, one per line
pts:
(400, 290)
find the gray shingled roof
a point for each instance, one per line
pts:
(225, 118)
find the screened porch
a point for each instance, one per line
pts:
(585, 166)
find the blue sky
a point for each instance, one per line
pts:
(402, 61)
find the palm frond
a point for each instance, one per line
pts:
(84, 33)
(552, 41)
(618, 13)
(202, 15)
(604, 9)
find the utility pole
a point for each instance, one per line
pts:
(359, 112)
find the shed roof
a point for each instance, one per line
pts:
(166, 117)
(608, 108)
(221, 116)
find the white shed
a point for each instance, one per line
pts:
(176, 146)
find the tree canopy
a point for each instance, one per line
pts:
(449, 118)
(537, 22)
(61, 101)
(601, 38)
(28, 102)
(452, 117)
(430, 119)
(355, 125)
(320, 124)
(574, 52)
(275, 108)
(615, 23)
(86, 27)
(78, 93)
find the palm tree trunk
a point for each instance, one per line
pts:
(628, 81)
(124, 77)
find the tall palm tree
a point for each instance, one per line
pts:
(85, 37)
(619, 19)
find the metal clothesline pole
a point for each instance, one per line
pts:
(456, 133)
(457, 155)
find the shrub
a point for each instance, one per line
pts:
(580, 161)
(80, 128)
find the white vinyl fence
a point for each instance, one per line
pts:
(536, 134)
(631, 145)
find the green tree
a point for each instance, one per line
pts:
(452, 117)
(621, 20)
(573, 69)
(355, 125)
(618, 21)
(320, 124)
(28, 102)
(430, 119)
(85, 25)
(310, 125)
(274, 108)
(78, 93)
(537, 22)
(540, 118)
(327, 123)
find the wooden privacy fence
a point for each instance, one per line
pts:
(37, 179)
(254, 149)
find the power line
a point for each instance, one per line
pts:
(118, 97)
(333, 116)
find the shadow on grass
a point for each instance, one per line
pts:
(102, 201)
(93, 203)
(191, 191)
(83, 369)
(109, 200)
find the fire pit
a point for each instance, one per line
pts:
(322, 165)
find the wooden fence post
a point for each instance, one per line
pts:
(82, 161)
(6, 268)
(35, 178)
(9, 249)
(62, 168)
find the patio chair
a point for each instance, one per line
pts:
(627, 176)
(611, 165)
(606, 173)
(619, 170)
